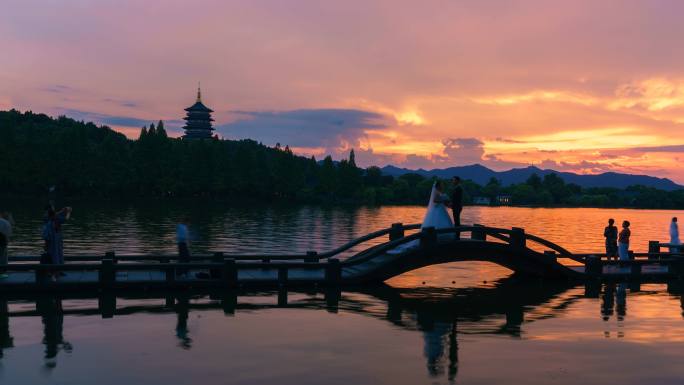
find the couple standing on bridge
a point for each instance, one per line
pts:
(437, 215)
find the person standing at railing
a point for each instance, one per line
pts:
(53, 235)
(674, 236)
(457, 200)
(5, 235)
(623, 241)
(611, 235)
(183, 239)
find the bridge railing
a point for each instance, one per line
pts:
(428, 236)
(515, 237)
(224, 273)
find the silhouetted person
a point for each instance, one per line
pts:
(674, 236)
(53, 235)
(623, 241)
(611, 235)
(5, 235)
(457, 200)
(183, 239)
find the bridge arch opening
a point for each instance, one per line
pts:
(451, 274)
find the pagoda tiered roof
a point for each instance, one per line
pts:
(198, 120)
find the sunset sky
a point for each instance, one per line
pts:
(584, 86)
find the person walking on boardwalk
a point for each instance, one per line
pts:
(611, 235)
(457, 200)
(183, 239)
(5, 235)
(674, 236)
(53, 235)
(623, 241)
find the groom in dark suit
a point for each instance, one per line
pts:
(457, 200)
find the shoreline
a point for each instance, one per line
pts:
(240, 201)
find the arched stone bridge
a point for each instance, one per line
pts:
(407, 248)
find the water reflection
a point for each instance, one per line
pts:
(148, 227)
(507, 308)
(6, 340)
(440, 346)
(182, 332)
(52, 315)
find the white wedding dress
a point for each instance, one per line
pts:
(436, 216)
(674, 237)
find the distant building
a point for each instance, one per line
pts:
(485, 201)
(198, 120)
(504, 200)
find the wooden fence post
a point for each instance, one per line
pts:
(218, 259)
(396, 231)
(110, 255)
(593, 266)
(428, 239)
(332, 299)
(518, 238)
(676, 268)
(41, 275)
(107, 304)
(170, 275)
(333, 271)
(282, 276)
(478, 235)
(653, 248)
(107, 273)
(282, 297)
(229, 274)
(229, 301)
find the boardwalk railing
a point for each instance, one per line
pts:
(223, 268)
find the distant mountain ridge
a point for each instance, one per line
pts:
(481, 175)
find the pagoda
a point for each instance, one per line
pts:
(198, 120)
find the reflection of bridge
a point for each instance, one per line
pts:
(436, 314)
(522, 253)
(439, 314)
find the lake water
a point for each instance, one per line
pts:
(465, 323)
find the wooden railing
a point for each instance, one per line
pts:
(224, 267)
(224, 273)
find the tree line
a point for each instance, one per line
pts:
(85, 160)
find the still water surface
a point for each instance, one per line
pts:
(465, 323)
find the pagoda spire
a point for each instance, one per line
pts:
(198, 119)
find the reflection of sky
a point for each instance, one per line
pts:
(147, 228)
(581, 86)
(562, 338)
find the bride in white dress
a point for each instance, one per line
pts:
(436, 216)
